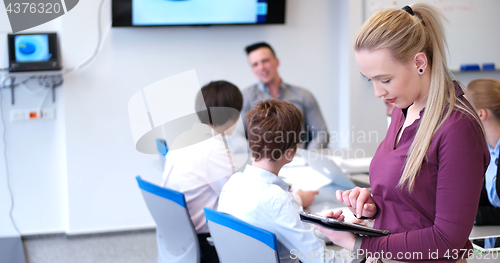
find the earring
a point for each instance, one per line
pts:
(420, 70)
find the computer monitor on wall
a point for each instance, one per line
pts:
(195, 12)
(33, 52)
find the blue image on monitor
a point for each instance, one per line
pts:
(32, 48)
(175, 12)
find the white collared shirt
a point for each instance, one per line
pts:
(199, 171)
(260, 198)
(491, 176)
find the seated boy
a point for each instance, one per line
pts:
(199, 170)
(257, 196)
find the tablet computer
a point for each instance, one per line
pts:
(338, 225)
(486, 245)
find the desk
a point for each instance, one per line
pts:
(484, 231)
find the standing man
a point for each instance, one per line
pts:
(264, 64)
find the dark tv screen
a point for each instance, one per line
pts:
(197, 12)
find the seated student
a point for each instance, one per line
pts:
(200, 170)
(257, 196)
(485, 97)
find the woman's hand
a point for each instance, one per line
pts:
(341, 238)
(359, 201)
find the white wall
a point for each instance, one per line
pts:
(367, 117)
(362, 115)
(36, 154)
(88, 184)
(466, 77)
(102, 162)
(76, 174)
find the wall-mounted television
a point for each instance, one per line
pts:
(131, 13)
(33, 52)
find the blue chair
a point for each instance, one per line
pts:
(161, 146)
(238, 241)
(176, 236)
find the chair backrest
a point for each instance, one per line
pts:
(161, 145)
(238, 241)
(176, 236)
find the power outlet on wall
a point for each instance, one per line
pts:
(16, 115)
(32, 115)
(48, 114)
(22, 115)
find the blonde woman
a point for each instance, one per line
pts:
(426, 175)
(485, 97)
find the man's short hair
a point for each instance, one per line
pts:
(258, 45)
(274, 126)
(217, 94)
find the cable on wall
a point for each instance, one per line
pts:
(43, 83)
(12, 83)
(98, 47)
(7, 163)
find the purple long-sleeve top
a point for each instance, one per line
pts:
(437, 217)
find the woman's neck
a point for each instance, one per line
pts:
(492, 130)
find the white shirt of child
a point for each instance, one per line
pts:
(199, 171)
(260, 198)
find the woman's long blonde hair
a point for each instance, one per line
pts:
(405, 35)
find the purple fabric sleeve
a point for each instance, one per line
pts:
(458, 147)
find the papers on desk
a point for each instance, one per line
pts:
(361, 180)
(358, 165)
(303, 177)
(336, 159)
(354, 165)
(296, 161)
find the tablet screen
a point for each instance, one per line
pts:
(338, 225)
(486, 244)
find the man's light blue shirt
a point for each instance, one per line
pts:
(314, 123)
(491, 176)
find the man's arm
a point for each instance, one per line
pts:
(315, 123)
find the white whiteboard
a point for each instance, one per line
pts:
(473, 30)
